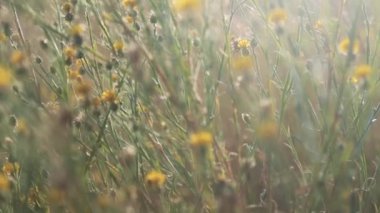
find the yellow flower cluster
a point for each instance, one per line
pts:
(5, 77)
(201, 139)
(186, 5)
(361, 72)
(344, 46)
(155, 178)
(277, 16)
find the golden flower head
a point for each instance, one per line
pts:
(186, 5)
(267, 130)
(4, 183)
(362, 71)
(118, 45)
(201, 139)
(277, 16)
(109, 96)
(344, 46)
(69, 52)
(155, 178)
(10, 168)
(17, 57)
(5, 77)
(243, 43)
(129, 3)
(77, 30)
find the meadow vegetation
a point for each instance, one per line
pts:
(189, 106)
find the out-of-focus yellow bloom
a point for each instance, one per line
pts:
(77, 30)
(10, 168)
(240, 63)
(109, 96)
(155, 178)
(344, 46)
(21, 127)
(201, 139)
(5, 77)
(3, 37)
(17, 57)
(129, 3)
(4, 183)
(277, 16)
(267, 130)
(243, 43)
(186, 5)
(118, 45)
(129, 19)
(69, 52)
(362, 71)
(73, 74)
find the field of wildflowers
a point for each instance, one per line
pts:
(189, 106)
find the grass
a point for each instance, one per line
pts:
(189, 106)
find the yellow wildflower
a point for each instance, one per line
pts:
(109, 96)
(76, 30)
(5, 77)
(202, 138)
(83, 88)
(243, 43)
(17, 57)
(69, 52)
(277, 16)
(186, 5)
(4, 183)
(267, 130)
(129, 3)
(344, 46)
(155, 178)
(362, 71)
(118, 45)
(8, 168)
(73, 74)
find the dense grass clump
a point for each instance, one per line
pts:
(189, 106)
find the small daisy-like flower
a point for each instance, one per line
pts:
(186, 5)
(362, 71)
(129, 3)
(109, 96)
(118, 45)
(278, 16)
(243, 43)
(344, 46)
(5, 77)
(155, 178)
(77, 30)
(17, 57)
(201, 139)
(69, 52)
